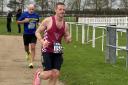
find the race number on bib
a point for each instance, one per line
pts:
(31, 25)
(57, 48)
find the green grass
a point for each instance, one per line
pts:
(84, 65)
(3, 27)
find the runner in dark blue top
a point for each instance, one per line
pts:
(30, 20)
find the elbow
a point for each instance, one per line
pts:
(19, 22)
(36, 33)
(68, 39)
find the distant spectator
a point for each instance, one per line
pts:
(18, 14)
(9, 21)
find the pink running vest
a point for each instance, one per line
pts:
(54, 34)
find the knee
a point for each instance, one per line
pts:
(32, 47)
(50, 74)
(55, 74)
(46, 75)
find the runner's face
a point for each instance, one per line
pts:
(31, 9)
(60, 11)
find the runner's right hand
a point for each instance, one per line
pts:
(26, 20)
(45, 43)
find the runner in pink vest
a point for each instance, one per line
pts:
(54, 29)
(53, 35)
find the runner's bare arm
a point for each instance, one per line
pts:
(67, 36)
(23, 21)
(41, 29)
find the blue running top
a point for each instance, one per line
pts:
(29, 27)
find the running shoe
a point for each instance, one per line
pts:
(36, 80)
(30, 65)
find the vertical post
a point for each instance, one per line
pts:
(107, 58)
(117, 43)
(76, 32)
(71, 29)
(93, 37)
(126, 21)
(102, 39)
(87, 38)
(83, 33)
(111, 45)
(126, 48)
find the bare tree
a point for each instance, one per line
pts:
(1, 5)
(124, 3)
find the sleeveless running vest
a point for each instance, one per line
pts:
(54, 34)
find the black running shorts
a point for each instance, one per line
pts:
(52, 61)
(29, 39)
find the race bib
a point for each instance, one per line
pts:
(31, 25)
(57, 48)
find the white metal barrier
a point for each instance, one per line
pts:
(94, 38)
(112, 39)
(97, 22)
(103, 21)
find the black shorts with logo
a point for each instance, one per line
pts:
(29, 38)
(52, 61)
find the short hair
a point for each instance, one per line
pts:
(59, 3)
(31, 5)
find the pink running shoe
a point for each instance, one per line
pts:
(36, 80)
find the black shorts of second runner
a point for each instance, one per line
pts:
(31, 38)
(51, 61)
